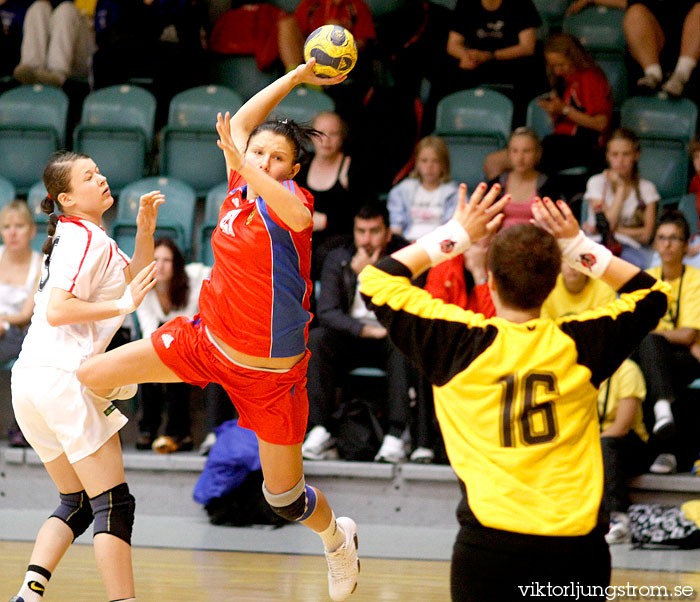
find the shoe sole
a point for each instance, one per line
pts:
(666, 432)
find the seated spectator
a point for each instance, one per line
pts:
(12, 13)
(327, 177)
(461, 281)
(427, 198)
(523, 182)
(20, 269)
(156, 39)
(665, 354)
(574, 293)
(648, 26)
(349, 336)
(623, 438)
(176, 293)
(578, 5)
(58, 42)
(621, 203)
(494, 41)
(580, 105)
(693, 254)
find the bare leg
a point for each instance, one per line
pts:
(282, 467)
(690, 40)
(133, 363)
(644, 36)
(100, 472)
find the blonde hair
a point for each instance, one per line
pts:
(443, 154)
(572, 48)
(19, 207)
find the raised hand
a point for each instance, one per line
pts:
(143, 282)
(234, 157)
(556, 218)
(148, 211)
(304, 74)
(482, 214)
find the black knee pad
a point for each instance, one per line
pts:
(75, 511)
(297, 504)
(114, 512)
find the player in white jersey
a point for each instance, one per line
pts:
(86, 288)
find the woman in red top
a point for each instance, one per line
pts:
(250, 335)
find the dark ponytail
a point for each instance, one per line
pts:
(299, 135)
(56, 178)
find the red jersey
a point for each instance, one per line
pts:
(257, 297)
(446, 281)
(354, 15)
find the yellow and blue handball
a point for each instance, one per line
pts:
(334, 49)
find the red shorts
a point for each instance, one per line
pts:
(274, 405)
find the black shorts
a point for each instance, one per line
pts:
(509, 567)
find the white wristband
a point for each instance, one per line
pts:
(125, 304)
(445, 242)
(585, 255)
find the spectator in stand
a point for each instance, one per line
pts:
(349, 336)
(522, 181)
(494, 41)
(574, 293)
(693, 254)
(327, 177)
(12, 13)
(578, 5)
(665, 355)
(20, 269)
(176, 293)
(623, 438)
(648, 26)
(58, 42)
(622, 204)
(427, 198)
(580, 105)
(157, 39)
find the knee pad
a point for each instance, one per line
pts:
(297, 504)
(114, 512)
(75, 511)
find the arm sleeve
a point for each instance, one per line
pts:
(605, 336)
(331, 312)
(302, 194)
(480, 301)
(440, 339)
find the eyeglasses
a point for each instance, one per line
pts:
(671, 239)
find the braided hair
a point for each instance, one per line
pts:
(57, 175)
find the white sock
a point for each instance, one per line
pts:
(662, 410)
(684, 68)
(654, 71)
(34, 584)
(333, 536)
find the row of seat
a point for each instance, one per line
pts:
(477, 122)
(116, 129)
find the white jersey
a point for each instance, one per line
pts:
(87, 263)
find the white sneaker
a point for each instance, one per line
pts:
(664, 425)
(343, 564)
(620, 531)
(392, 450)
(207, 444)
(674, 85)
(422, 455)
(664, 464)
(319, 445)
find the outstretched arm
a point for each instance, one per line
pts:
(145, 227)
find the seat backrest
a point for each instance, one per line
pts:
(7, 191)
(598, 28)
(123, 106)
(197, 107)
(551, 11)
(212, 203)
(688, 207)
(35, 106)
(665, 118)
(616, 71)
(380, 8)
(537, 119)
(477, 111)
(36, 194)
(240, 73)
(666, 166)
(302, 105)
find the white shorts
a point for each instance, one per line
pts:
(59, 415)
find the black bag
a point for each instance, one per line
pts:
(658, 525)
(359, 434)
(244, 506)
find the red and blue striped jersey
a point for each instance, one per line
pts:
(258, 295)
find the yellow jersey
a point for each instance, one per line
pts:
(684, 300)
(516, 403)
(561, 302)
(628, 381)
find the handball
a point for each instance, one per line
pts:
(334, 49)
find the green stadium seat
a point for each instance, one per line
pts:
(212, 204)
(687, 206)
(175, 216)
(189, 150)
(599, 28)
(537, 119)
(7, 191)
(36, 194)
(116, 130)
(552, 12)
(32, 127)
(239, 73)
(303, 104)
